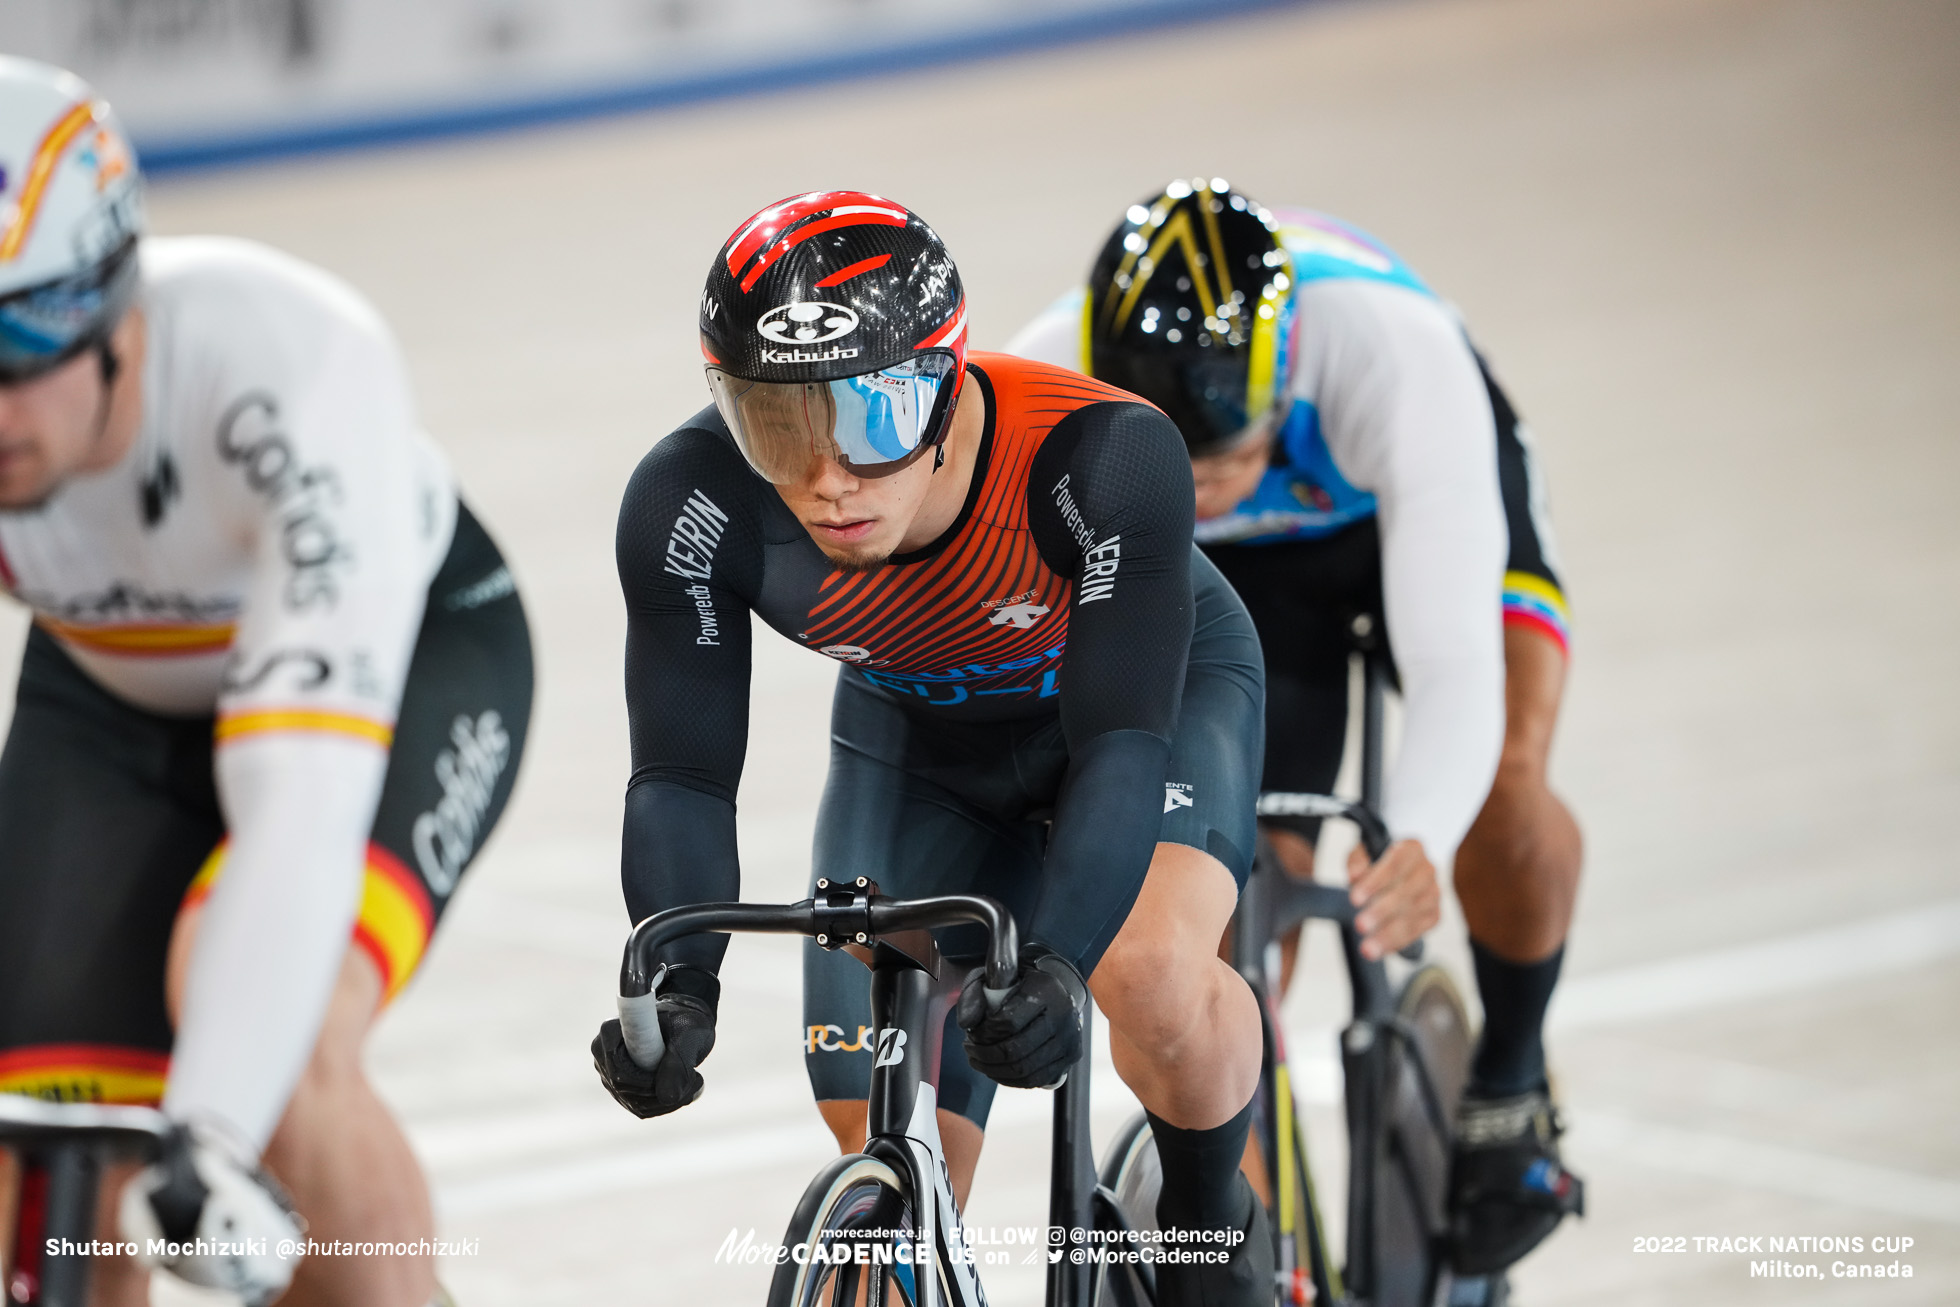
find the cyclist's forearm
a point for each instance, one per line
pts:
(1452, 734)
(274, 931)
(1106, 826)
(678, 847)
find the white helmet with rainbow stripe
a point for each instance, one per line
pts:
(71, 210)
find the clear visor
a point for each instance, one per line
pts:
(873, 424)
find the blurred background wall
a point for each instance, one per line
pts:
(199, 81)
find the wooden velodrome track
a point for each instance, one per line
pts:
(1710, 244)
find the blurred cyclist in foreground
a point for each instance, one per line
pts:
(273, 700)
(1355, 460)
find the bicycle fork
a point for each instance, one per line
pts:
(902, 1122)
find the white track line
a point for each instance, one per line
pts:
(716, 1156)
(1793, 1171)
(1899, 941)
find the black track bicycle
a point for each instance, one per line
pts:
(63, 1148)
(1405, 1055)
(881, 1227)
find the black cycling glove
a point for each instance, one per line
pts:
(1033, 1038)
(689, 997)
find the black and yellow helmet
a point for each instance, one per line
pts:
(1188, 306)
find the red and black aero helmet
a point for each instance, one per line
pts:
(834, 324)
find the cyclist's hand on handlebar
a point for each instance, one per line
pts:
(207, 1187)
(1397, 897)
(687, 1023)
(1031, 1038)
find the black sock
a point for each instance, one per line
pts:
(1201, 1169)
(1511, 1054)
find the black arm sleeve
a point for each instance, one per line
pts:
(1111, 508)
(689, 552)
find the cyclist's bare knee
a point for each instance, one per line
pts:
(1184, 1029)
(1166, 950)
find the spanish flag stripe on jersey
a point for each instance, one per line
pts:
(396, 917)
(145, 639)
(232, 726)
(85, 1073)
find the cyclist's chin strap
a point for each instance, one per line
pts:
(939, 456)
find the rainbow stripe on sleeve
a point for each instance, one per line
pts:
(1535, 602)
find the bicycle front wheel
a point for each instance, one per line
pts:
(849, 1242)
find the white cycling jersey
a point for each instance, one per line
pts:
(1388, 417)
(262, 553)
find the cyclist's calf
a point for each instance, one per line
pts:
(1517, 871)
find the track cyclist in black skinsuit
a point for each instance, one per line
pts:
(999, 553)
(1355, 459)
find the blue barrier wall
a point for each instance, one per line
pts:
(203, 83)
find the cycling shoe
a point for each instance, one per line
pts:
(1508, 1189)
(1246, 1280)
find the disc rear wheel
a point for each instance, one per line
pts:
(1428, 1065)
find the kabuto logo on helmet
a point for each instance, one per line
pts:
(849, 292)
(809, 322)
(831, 266)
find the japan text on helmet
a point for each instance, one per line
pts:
(1188, 305)
(834, 326)
(70, 213)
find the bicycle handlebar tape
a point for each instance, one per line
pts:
(639, 1024)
